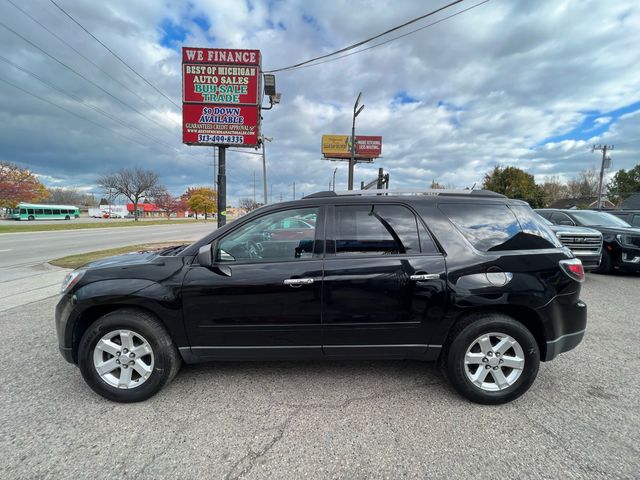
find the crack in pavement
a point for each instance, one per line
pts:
(246, 463)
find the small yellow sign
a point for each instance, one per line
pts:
(336, 145)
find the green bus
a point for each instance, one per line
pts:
(31, 211)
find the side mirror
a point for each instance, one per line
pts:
(205, 256)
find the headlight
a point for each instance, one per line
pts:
(70, 280)
(628, 240)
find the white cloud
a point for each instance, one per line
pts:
(491, 86)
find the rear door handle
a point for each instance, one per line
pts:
(425, 276)
(298, 282)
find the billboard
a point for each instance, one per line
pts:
(209, 124)
(339, 146)
(220, 96)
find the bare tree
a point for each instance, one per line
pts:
(70, 196)
(166, 202)
(554, 189)
(248, 204)
(585, 184)
(132, 183)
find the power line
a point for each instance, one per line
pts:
(2, 24)
(122, 84)
(394, 38)
(355, 45)
(82, 102)
(114, 54)
(75, 114)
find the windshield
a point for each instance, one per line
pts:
(591, 218)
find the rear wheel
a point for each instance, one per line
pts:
(492, 359)
(30, 217)
(67, 217)
(127, 356)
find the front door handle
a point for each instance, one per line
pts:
(425, 276)
(298, 282)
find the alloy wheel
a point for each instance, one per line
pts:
(123, 359)
(494, 361)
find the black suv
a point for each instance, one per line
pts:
(621, 241)
(467, 278)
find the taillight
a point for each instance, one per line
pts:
(573, 268)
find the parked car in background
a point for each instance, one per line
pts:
(585, 243)
(632, 217)
(621, 241)
(468, 278)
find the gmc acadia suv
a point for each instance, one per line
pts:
(470, 279)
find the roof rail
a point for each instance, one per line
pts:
(433, 191)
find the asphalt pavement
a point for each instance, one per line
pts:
(25, 277)
(351, 420)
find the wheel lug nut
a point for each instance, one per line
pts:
(485, 359)
(118, 362)
(125, 351)
(497, 354)
(501, 361)
(488, 367)
(131, 362)
(125, 366)
(489, 354)
(117, 354)
(495, 368)
(132, 355)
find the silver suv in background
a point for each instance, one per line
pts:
(585, 243)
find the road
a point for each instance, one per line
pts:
(348, 420)
(24, 277)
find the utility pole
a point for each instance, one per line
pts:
(264, 166)
(604, 149)
(352, 159)
(222, 186)
(280, 196)
(271, 194)
(254, 187)
(294, 190)
(334, 179)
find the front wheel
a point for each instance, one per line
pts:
(127, 356)
(67, 217)
(31, 217)
(606, 263)
(492, 359)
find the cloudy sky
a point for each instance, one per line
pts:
(530, 84)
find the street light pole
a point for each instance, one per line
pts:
(334, 178)
(352, 159)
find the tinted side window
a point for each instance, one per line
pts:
(492, 227)
(38, 211)
(47, 211)
(272, 237)
(376, 229)
(636, 221)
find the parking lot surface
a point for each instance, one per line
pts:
(378, 419)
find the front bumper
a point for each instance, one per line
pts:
(629, 259)
(590, 261)
(64, 310)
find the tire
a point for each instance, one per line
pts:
(31, 217)
(464, 345)
(67, 217)
(146, 334)
(606, 263)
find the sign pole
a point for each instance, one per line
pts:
(222, 185)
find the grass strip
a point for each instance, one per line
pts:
(75, 261)
(18, 227)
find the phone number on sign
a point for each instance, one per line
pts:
(221, 139)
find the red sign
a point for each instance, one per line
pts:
(368, 146)
(229, 84)
(220, 56)
(209, 124)
(220, 96)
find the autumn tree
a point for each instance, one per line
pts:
(624, 183)
(515, 183)
(201, 200)
(166, 202)
(132, 183)
(436, 185)
(18, 185)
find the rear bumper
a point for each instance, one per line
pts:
(565, 325)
